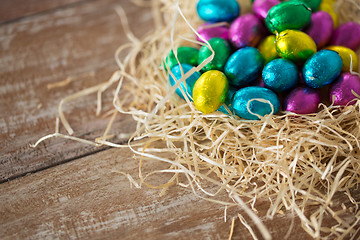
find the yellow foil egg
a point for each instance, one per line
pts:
(210, 91)
(345, 54)
(295, 45)
(267, 48)
(327, 6)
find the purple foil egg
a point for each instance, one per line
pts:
(341, 89)
(302, 100)
(246, 30)
(321, 28)
(209, 31)
(347, 35)
(262, 7)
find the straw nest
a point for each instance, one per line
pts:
(293, 161)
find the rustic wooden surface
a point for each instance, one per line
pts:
(67, 190)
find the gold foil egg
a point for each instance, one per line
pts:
(327, 6)
(295, 45)
(346, 55)
(210, 91)
(267, 48)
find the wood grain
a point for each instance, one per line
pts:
(48, 48)
(14, 9)
(86, 199)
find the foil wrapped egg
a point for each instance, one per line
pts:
(232, 90)
(322, 68)
(262, 7)
(178, 72)
(222, 52)
(244, 66)
(313, 4)
(288, 15)
(327, 6)
(246, 30)
(295, 45)
(347, 35)
(218, 10)
(302, 100)
(210, 91)
(280, 75)
(341, 91)
(252, 102)
(321, 28)
(347, 56)
(187, 55)
(267, 48)
(209, 31)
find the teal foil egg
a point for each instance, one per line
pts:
(244, 66)
(258, 99)
(188, 84)
(280, 75)
(222, 51)
(218, 10)
(322, 68)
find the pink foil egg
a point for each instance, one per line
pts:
(209, 31)
(262, 7)
(321, 28)
(246, 30)
(347, 35)
(341, 89)
(302, 100)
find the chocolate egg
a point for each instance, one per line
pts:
(218, 10)
(222, 52)
(321, 28)
(244, 66)
(228, 103)
(260, 101)
(187, 55)
(302, 100)
(322, 68)
(209, 31)
(262, 7)
(328, 7)
(313, 4)
(187, 86)
(246, 30)
(210, 91)
(295, 45)
(288, 15)
(347, 55)
(347, 35)
(342, 89)
(280, 75)
(267, 48)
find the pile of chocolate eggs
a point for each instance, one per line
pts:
(281, 56)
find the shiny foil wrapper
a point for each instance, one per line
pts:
(341, 91)
(321, 28)
(302, 100)
(209, 31)
(262, 7)
(347, 35)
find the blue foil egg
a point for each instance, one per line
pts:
(218, 10)
(188, 84)
(257, 99)
(244, 66)
(280, 75)
(322, 68)
(228, 100)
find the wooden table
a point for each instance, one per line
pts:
(69, 190)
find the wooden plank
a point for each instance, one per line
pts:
(46, 49)
(14, 9)
(86, 199)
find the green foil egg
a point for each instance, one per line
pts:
(288, 15)
(222, 52)
(295, 45)
(187, 55)
(313, 4)
(210, 91)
